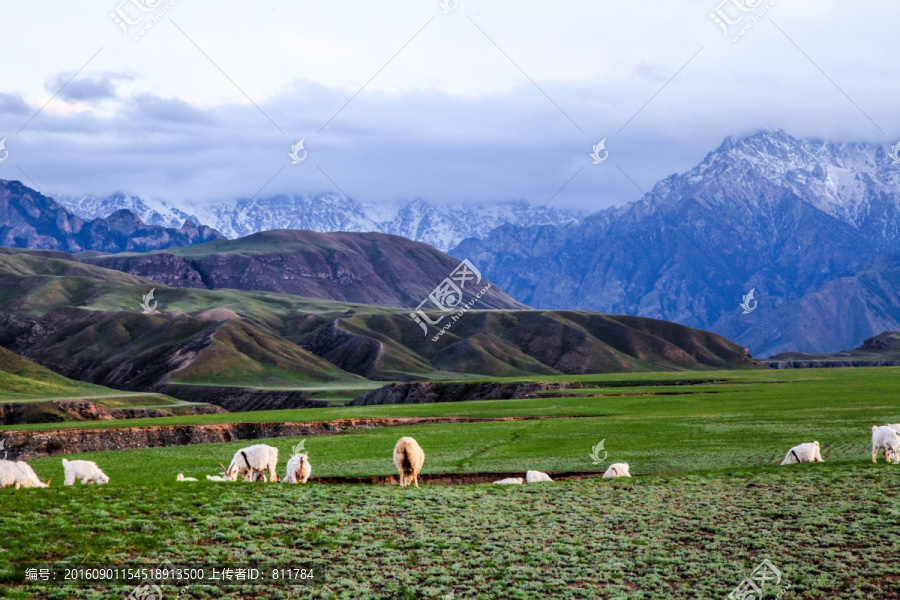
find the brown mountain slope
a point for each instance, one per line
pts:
(369, 268)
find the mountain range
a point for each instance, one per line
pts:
(440, 226)
(805, 234)
(809, 227)
(28, 219)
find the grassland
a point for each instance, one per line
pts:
(707, 503)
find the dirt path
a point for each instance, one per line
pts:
(456, 478)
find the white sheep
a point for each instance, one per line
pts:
(18, 475)
(510, 481)
(536, 476)
(617, 470)
(221, 477)
(298, 469)
(84, 471)
(181, 477)
(248, 461)
(409, 458)
(885, 438)
(801, 453)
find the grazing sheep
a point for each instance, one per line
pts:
(409, 458)
(181, 477)
(18, 475)
(808, 452)
(536, 476)
(248, 461)
(510, 481)
(84, 471)
(888, 440)
(298, 469)
(617, 470)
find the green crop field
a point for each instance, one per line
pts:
(707, 502)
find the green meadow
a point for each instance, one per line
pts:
(707, 502)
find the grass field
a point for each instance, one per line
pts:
(707, 503)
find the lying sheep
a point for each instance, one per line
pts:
(510, 481)
(249, 461)
(181, 477)
(801, 453)
(84, 471)
(221, 477)
(536, 476)
(298, 469)
(885, 438)
(18, 475)
(617, 470)
(409, 458)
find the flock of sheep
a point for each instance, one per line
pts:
(260, 461)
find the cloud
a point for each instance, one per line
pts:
(13, 104)
(477, 105)
(173, 110)
(86, 88)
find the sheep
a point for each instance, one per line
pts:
(298, 469)
(536, 476)
(617, 470)
(19, 475)
(181, 477)
(258, 458)
(409, 458)
(510, 481)
(801, 453)
(84, 471)
(221, 477)
(888, 440)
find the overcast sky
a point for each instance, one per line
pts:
(491, 101)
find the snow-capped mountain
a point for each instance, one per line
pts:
(440, 226)
(809, 225)
(150, 212)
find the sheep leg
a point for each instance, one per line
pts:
(874, 455)
(273, 475)
(416, 480)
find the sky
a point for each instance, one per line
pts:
(195, 102)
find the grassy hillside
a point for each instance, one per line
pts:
(22, 379)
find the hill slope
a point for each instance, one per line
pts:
(370, 268)
(21, 378)
(83, 321)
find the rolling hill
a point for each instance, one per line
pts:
(370, 268)
(84, 322)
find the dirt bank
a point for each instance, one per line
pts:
(57, 411)
(29, 444)
(238, 399)
(456, 478)
(432, 391)
(829, 364)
